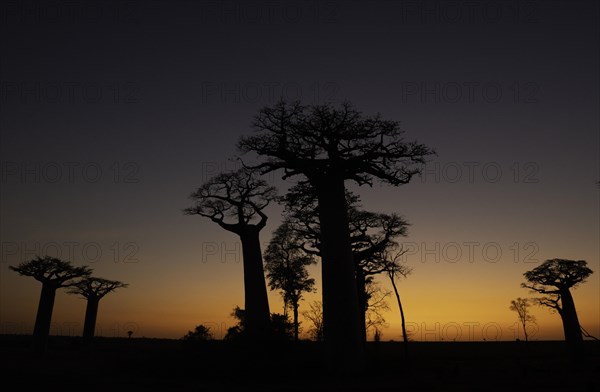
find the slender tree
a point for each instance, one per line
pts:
(396, 270)
(326, 146)
(521, 307)
(315, 316)
(376, 307)
(286, 264)
(53, 273)
(554, 279)
(235, 201)
(93, 290)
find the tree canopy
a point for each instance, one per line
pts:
(52, 270)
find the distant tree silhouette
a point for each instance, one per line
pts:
(53, 273)
(396, 270)
(326, 146)
(93, 290)
(376, 307)
(200, 333)
(237, 331)
(554, 278)
(315, 316)
(281, 327)
(521, 307)
(286, 264)
(235, 201)
(371, 234)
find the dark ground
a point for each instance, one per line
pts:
(139, 364)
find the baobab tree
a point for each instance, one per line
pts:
(235, 201)
(286, 264)
(53, 273)
(521, 307)
(371, 234)
(93, 290)
(326, 146)
(554, 278)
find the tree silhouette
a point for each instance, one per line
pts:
(554, 278)
(93, 290)
(286, 264)
(376, 307)
(315, 316)
(371, 234)
(395, 270)
(53, 273)
(200, 333)
(235, 201)
(237, 331)
(281, 327)
(326, 146)
(521, 306)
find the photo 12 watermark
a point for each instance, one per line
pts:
(60, 12)
(512, 12)
(68, 92)
(469, 92)
(69, 172)
(15, 252)
(470, 252)
(261, 12)
(221, 252)
(468, 331)
(268, 92)
(471, 172)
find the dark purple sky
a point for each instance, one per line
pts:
(113, 112)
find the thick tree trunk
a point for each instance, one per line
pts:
(571, 326)
(255, 289)
(361, 287)
(43, 318)
(89, 326)
(343, 343)
(296, 321)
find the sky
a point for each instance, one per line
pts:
(113, 112)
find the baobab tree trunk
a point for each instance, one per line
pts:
(362, 302)
(43, 318)
(89, 326)
(570, 321)
(343, 343)
(255, 289)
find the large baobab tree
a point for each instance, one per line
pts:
(53, 273)
(554, 279)
(286, 264)
(371, 234)
(235, 201)
(93, 290)
(326, 146)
